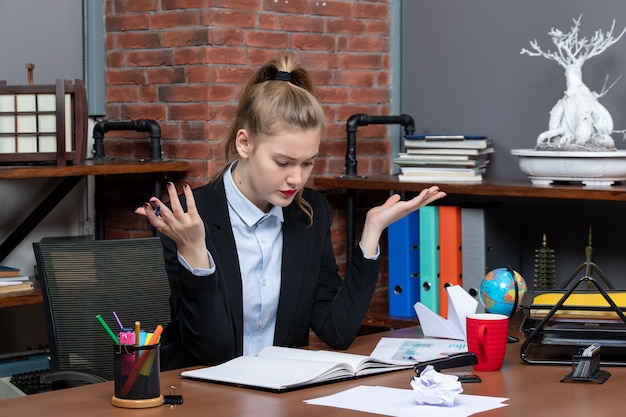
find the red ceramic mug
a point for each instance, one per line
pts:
(487, 336)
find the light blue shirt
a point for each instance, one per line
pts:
(259, 241)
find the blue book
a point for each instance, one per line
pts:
(429, 257)
(404, 261)
(9, 271)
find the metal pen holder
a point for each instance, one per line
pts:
(587, 369)
(137, 376)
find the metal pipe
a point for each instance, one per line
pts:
(352, 125)
(361, 119)
(143, 125)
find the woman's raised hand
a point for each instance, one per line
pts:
(184, 228)
(380, 217)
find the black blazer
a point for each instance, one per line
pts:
(207, 312)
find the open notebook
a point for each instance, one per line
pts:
(281, 369)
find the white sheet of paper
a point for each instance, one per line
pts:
(460, 305)
(416, 350)
(398, 402)
(11, 282)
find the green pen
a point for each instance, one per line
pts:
(108, 329)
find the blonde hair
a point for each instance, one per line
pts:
(280, 95)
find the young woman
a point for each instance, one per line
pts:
(249, 255)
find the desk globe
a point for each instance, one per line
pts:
(497, 291)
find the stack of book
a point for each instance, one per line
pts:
(444, 158)
(11, 280)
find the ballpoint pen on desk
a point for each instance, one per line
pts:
(108, 329)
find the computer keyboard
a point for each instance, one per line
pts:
(30, 383)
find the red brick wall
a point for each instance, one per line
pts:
(184, 63)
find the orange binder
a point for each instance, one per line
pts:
(450, 259)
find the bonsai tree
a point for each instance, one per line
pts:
(578, 122)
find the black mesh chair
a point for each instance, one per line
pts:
(83, 278)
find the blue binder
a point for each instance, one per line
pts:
(429, 257)
(403, 258)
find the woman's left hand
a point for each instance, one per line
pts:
(380, 217)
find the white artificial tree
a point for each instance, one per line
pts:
(578, 122)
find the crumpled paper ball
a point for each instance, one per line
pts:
(435, 388)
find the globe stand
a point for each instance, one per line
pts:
(513, 339)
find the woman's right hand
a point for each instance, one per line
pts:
(186, 229)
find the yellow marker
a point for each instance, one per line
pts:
(137, 333)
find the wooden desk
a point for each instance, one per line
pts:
(72, 174)
(533, 390)
(20, 298)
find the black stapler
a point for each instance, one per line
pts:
(459, 364)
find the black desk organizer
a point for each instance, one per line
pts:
(587, 369)
(554, 341)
